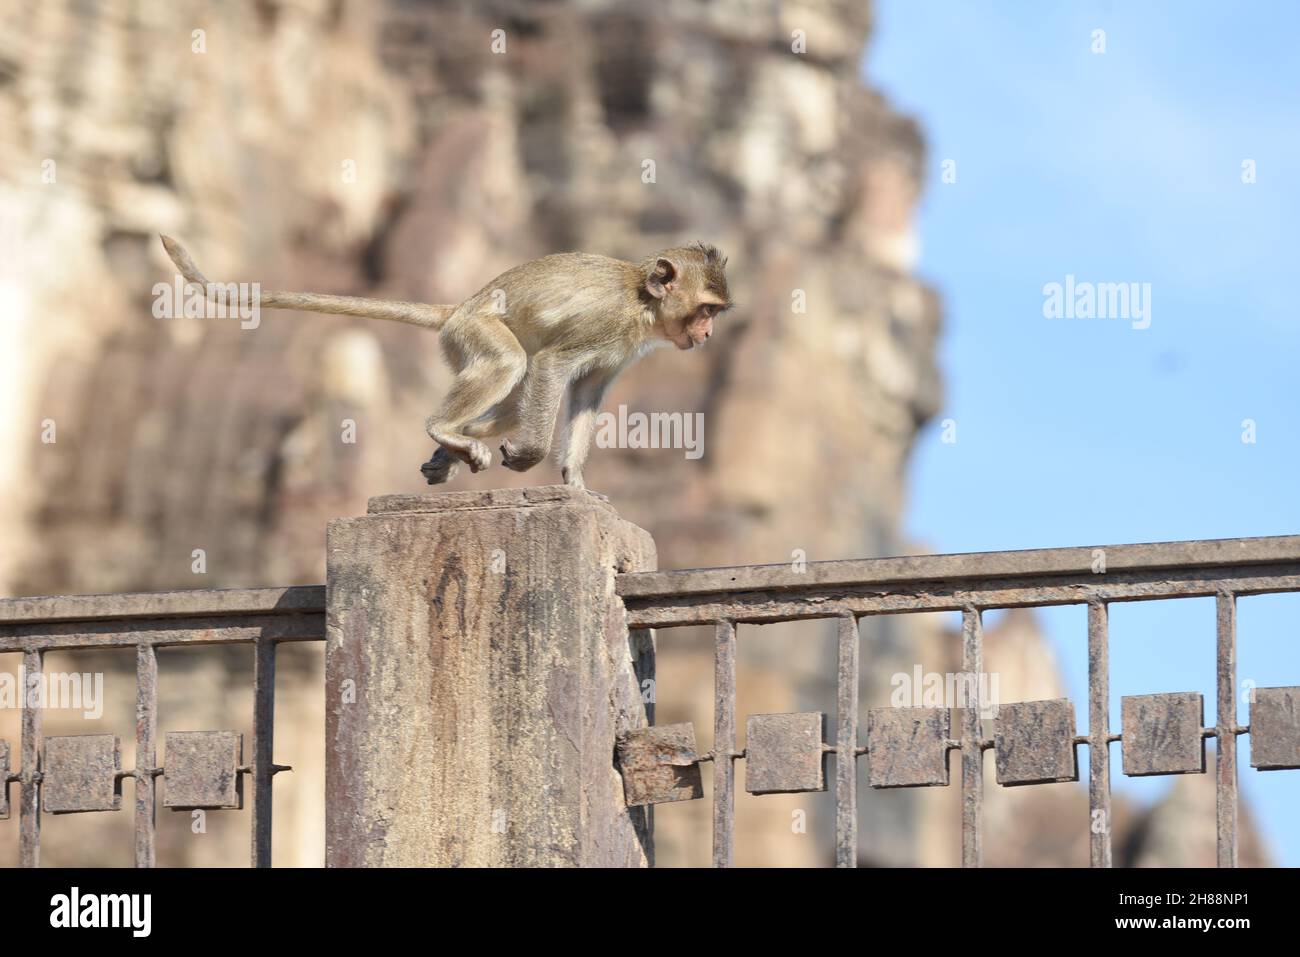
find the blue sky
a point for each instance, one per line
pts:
(1124, 166)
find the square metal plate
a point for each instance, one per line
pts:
(784, 753)
(908, 747)
(1275, 729)
(1034, 742)
(659, 765)
(200, 770)
(1162, 734)
(79, 774)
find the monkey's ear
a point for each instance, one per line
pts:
(663, 273)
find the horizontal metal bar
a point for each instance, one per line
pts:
(761, 606)
(966, 567)
(161, 632)
(159, 619)
(195, 603)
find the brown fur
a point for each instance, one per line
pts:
(568, 322)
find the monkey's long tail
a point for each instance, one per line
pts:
(414, 313)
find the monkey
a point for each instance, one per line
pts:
(567, 322)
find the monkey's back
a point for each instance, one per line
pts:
(580, 298)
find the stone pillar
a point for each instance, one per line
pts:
(478, 670)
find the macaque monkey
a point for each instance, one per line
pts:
(571, 321)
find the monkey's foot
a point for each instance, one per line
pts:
(470, 451)
(573, 479)
(520, 458)
(441, 468)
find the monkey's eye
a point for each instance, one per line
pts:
(708, 310)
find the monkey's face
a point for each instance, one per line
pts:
(691, 290)
(695, 327)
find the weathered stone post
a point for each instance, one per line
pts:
(478, 670)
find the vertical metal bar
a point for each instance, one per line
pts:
(29, 813)
(1225, 759)
(643, 666)
(972, 736)
(146, 756)
(846, 747)
(263, 745)
(724, 741)
(1099, 734)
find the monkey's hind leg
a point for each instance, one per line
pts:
(499, 420)
(491, 362)
(444, 465)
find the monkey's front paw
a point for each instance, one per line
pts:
(520, 458)
(441, 468)
(478, 456)
(573, 479)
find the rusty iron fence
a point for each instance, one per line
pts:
(1034, 742)
(203, 769)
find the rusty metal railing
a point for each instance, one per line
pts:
(203, 769)
(1034, 742)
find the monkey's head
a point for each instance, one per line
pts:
(688, 287)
